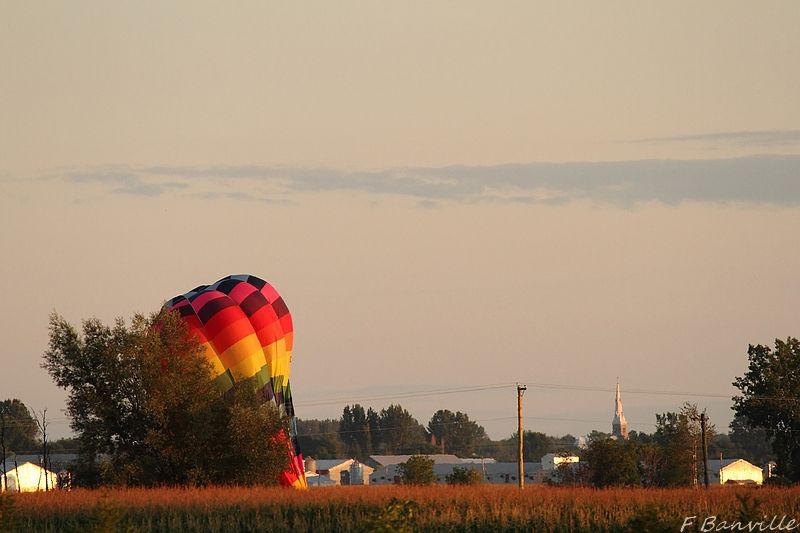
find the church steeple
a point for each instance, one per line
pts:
(619, 426)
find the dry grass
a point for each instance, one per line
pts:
(439, 508)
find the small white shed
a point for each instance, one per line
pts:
(27, 477)
(733, 472)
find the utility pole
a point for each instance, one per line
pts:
(520, 391)
(703, 419)
(4, 485)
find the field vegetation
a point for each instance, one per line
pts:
(392, 508)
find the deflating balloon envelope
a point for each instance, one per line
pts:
(245, 330)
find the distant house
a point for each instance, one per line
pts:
(438, 458)
(338, 471)
(27, 477)
(551, 461)
(478, 460)
(491, 472)
(733, 472)
(387, 469)
(503, 473)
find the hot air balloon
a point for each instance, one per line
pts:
(245, 330)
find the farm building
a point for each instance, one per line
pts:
(338, 471)
(438, 458)
(27, 477)
(494, 472)
(733, 472)
(315, 480)
(551, 461)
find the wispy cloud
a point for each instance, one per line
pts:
(128, 182)
(763, 179)
(756, 137)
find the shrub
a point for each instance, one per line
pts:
(464, 476)
(418, 470)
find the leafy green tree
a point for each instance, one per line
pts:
(455, 433)
(640, 437)
(652, 463)
(770, 400)
(400, 433)
(64, 445)
(679, 436)
(354, 432)
(144, 397)
(597, 435)
(247, 451)
(751, 443)
(570, 474)
(18, 430)
(464, 476)
(613, 463)
(566, 444)
(679, 454)
(320, 439)
(418, 470)
(536, 445)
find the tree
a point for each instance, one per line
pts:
(652, 464)
(536, 445)
(464, 476)
(640, 437)
(597, 435)
(64, 445)
(455, 433)
(612, 463)
(568, 473)
(770, 400)
(251, 440)
(418, 470)
(566, 444)
(354, 432)
(320, 439)
(751, 443)
(20, 430)
(679, 436)
(145, 397)
(400, 433)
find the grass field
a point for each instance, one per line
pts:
(393, 508)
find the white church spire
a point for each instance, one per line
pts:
(619, 426)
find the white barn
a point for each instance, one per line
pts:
(732, 472)
(27, 477)
(338, 471)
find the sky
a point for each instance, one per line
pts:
(448, 195)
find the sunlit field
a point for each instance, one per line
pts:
(394, 508)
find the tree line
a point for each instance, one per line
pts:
(362, 432)
(666, 457)
(145, 410)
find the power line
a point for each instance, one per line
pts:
(655, 392)
(12, 422)
(403, 395)
(538, 385)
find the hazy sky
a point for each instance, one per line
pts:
(446, 194)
